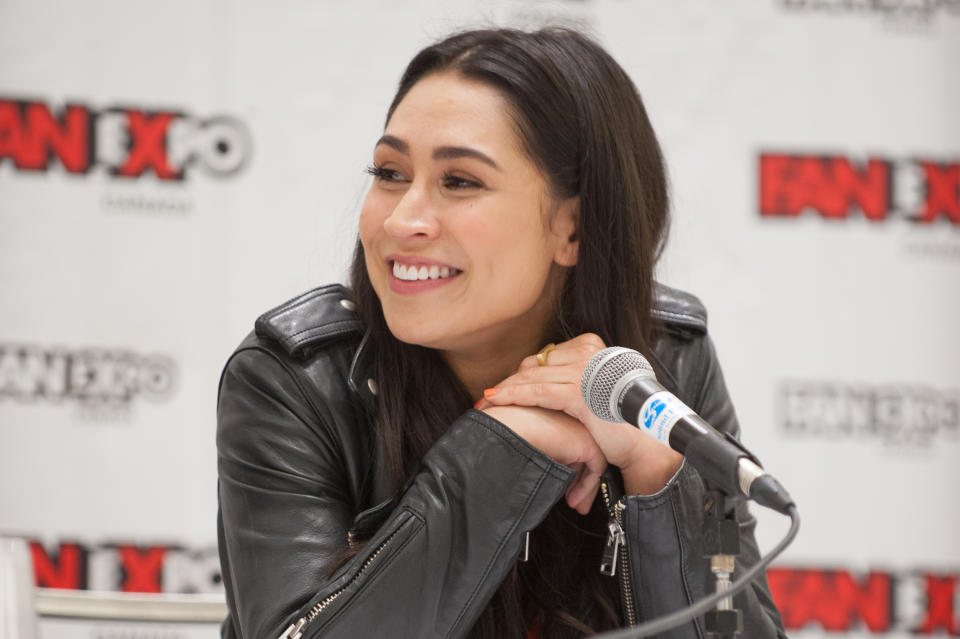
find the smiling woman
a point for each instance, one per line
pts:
(454, 189)
(517, 208)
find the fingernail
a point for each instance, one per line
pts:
(477, 405)
(490, 392)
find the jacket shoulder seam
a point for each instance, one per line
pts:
(330, 328)
(679, 310)
(683, 318)
(307, 321)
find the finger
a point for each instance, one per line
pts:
(559, 374)
(578, 488)
(561, 396)
(553, 358)
(579, 469)
(595, 463)
(589, 497)
(582, 347)
(591, 341)
(582, 498)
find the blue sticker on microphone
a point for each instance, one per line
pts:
(660, 412)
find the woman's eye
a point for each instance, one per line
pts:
(455, 182)
(382, 174)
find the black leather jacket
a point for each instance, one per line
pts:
(297, 483)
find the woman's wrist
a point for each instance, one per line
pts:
(653, 476)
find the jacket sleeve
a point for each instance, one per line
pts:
(285, 511)
(664, 531)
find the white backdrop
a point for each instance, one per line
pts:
(127, 275)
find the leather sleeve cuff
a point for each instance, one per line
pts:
(662, 530)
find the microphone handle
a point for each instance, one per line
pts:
(646, 404)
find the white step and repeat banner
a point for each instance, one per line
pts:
(170, 170)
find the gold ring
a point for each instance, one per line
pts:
(542, 355)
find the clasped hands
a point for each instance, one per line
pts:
(541, 402)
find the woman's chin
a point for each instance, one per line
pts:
(415, 333)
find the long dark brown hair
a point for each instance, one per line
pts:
(582, 122)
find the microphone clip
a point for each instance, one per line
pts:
(746, 451)
(721, 544)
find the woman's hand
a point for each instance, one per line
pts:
(565, 440)
(646, 464)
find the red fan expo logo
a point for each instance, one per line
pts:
(130, 142)
(835, 600)
(836, 187)
(839, 601)
(126, 567)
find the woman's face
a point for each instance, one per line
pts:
(459, 232)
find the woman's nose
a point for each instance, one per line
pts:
(413, 216)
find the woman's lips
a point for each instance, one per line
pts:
(414, 275)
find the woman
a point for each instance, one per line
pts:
(517, 209)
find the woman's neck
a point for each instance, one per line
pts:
(488, 362)
(478, 370)
(495, 354)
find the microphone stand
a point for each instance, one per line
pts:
(721, 540)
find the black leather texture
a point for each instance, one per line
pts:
(300, 480)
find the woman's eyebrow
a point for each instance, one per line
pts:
(441, 152)
(394, 143)
(454, 152)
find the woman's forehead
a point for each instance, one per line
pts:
(446, 109)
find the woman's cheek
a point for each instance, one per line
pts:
(367, 226)
(376, 208)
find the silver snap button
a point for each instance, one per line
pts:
(372, 385)
(347, 304)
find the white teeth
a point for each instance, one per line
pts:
(413, 273)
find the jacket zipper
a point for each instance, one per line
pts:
(295, 630)
(616, 553)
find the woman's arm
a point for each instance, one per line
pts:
(663, 524)
(286, 505)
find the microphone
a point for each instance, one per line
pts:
(619, 385)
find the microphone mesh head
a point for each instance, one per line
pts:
(601, 375)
